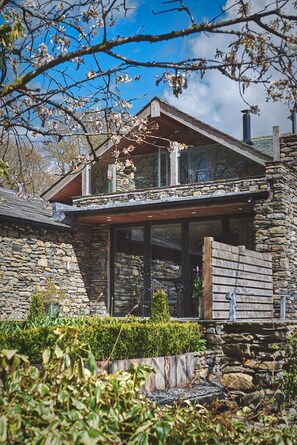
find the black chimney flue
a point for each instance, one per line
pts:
(246, 125)
(294, 120)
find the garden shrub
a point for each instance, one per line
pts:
(37, 308)
(65, 401)
(139, 339)
(54, 298)
(11, 326)
(160, 307)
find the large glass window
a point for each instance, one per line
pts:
(167, 256)
(198, 230)
(151, 170)
(242, 232)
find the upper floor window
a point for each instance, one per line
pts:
(215, 162)
(194, 167)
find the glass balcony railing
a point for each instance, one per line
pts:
(151, 171)
(196, 165)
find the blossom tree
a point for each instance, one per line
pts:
(63, 63)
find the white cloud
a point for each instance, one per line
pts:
(219, 104)
(216, 99)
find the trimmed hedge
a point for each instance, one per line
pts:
(112, 338)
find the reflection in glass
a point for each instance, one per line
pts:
(242, 232)
(149, 257)
(197, 232)
(166, 264)
(128, 270)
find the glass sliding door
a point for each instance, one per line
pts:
(198, 230)
(166, 264)
(128, 271)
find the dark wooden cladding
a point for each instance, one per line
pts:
(209, 210)
(236, 269)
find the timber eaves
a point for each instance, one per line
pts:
(164, 203)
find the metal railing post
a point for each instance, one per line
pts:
(283, 307)
(231, 297)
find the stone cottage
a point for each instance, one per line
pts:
(116, 235)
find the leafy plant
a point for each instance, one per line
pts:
(197, 286)
(160, 307)
(67, 401)
(53, 297)
(290, 376)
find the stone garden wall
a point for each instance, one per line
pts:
(276, 224)
(244, 359)
(76, 263)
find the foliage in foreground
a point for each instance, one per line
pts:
(66, 402)
(107, 338)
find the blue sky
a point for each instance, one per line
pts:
(144, 22)
(215, 99)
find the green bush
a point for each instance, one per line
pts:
(160, 307)
(110, 337)
(36, 309)
(290, 376)
(65, 401)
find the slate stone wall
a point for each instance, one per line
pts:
(276, 224)
(31, 256)
(214, 188)
(244, 358)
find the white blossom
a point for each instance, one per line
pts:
(124, 79)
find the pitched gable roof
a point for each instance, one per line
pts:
(162, 112)
(158, 108)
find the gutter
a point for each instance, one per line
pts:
(39, 224)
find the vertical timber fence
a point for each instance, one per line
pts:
(237, 283)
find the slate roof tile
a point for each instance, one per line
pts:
(31, 211)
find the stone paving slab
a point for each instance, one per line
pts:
(202, 394)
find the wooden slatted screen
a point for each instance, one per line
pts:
(236, 269)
